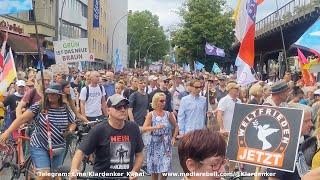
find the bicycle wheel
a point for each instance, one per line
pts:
(30, 171)
(6, 156)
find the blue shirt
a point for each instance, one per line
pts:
(110, 89)
(192, 113)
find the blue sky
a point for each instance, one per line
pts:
(13, 6)
(165, 9)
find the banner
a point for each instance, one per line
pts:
(265, 136)
(155, 67)
(96, 13)
(14, 6)
(71, 50)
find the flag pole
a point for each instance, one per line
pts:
(42, 77)
(282, 37)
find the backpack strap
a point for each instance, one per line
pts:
(87, 95)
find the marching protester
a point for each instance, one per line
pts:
(153, 84)
(301, 167)
(226, 106)
(52, 111)
(117, 144)
(163, 87)
(109, 85)
(34, 95)
(193, 110)
(11, 101)
(137, 111)
(133, 87)
(221, 89)
(256, 91)
(163, 137)
(92, 99)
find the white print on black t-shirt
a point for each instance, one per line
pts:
(120, 149)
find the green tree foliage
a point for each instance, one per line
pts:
(144, 30)
(203, 21)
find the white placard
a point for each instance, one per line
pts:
(71, 50)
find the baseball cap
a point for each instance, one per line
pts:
(153, 78)
(21, 83)
(54, 89)
(116, 99)
(317, 92)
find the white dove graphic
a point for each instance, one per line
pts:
(263, 132)
(317, 33)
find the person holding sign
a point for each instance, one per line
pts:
(301, 167)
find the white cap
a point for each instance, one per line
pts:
(21, 83)
(316, 92)
(153, 78)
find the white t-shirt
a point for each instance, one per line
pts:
(226, 105)
(93, 104)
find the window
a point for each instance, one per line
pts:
(31, 16)
(84, 10)
(83, 33)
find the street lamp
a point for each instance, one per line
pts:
(73, 24)
(142, 44)
(150, 47)
(114, 29)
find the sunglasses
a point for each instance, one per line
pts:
(120, 106)
(166, 81)
(197, 87)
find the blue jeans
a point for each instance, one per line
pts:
(41, 160)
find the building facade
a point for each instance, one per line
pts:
(22, 32)
(97, 35)
(117, 26)
(72, 19)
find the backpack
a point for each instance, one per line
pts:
(87, 95)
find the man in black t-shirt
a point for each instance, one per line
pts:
(117, 144)
(12, 101)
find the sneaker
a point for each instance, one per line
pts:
(144, 171)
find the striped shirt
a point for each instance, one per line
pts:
(59, 119)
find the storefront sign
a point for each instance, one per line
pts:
(5, 25)
(265, 136)
(71, 50)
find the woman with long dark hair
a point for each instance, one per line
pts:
(67, 99)
(53, 120)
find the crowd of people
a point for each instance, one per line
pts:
(144, 114)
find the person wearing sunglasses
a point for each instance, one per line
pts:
(199, 158)
(193, 109)
(117, 144)
(163, 137)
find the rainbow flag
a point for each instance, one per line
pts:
(8, 74)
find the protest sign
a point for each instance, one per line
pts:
(265, 136)
(71, 50)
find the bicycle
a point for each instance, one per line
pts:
(10, 157)
(76, 138)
